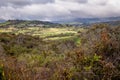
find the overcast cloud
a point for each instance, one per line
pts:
(54, 10)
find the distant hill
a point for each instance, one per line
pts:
(27, 23)
(89, 21)
(113, 21)
(94, 20)
(110, 23)
(2, 20)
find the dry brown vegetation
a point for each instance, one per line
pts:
(96, 56)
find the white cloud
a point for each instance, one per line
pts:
(62, 9)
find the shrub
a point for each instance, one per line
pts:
(2, 76)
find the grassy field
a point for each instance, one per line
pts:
(45, 33)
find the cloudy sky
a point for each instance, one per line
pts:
(55, 10)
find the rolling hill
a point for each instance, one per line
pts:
(27, 23)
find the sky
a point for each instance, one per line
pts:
(56, 10)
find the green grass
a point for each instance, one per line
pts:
(58, 38)
(45, 33)
(4, 24)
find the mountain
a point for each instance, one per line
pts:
(95, 20)
(89, 21)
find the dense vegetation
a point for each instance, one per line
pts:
(88, 54)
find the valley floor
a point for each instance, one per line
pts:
(67, 53)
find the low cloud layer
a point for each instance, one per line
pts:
(54, 10)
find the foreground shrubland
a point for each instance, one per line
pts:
(92, 55)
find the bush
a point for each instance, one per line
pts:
(2, 76)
